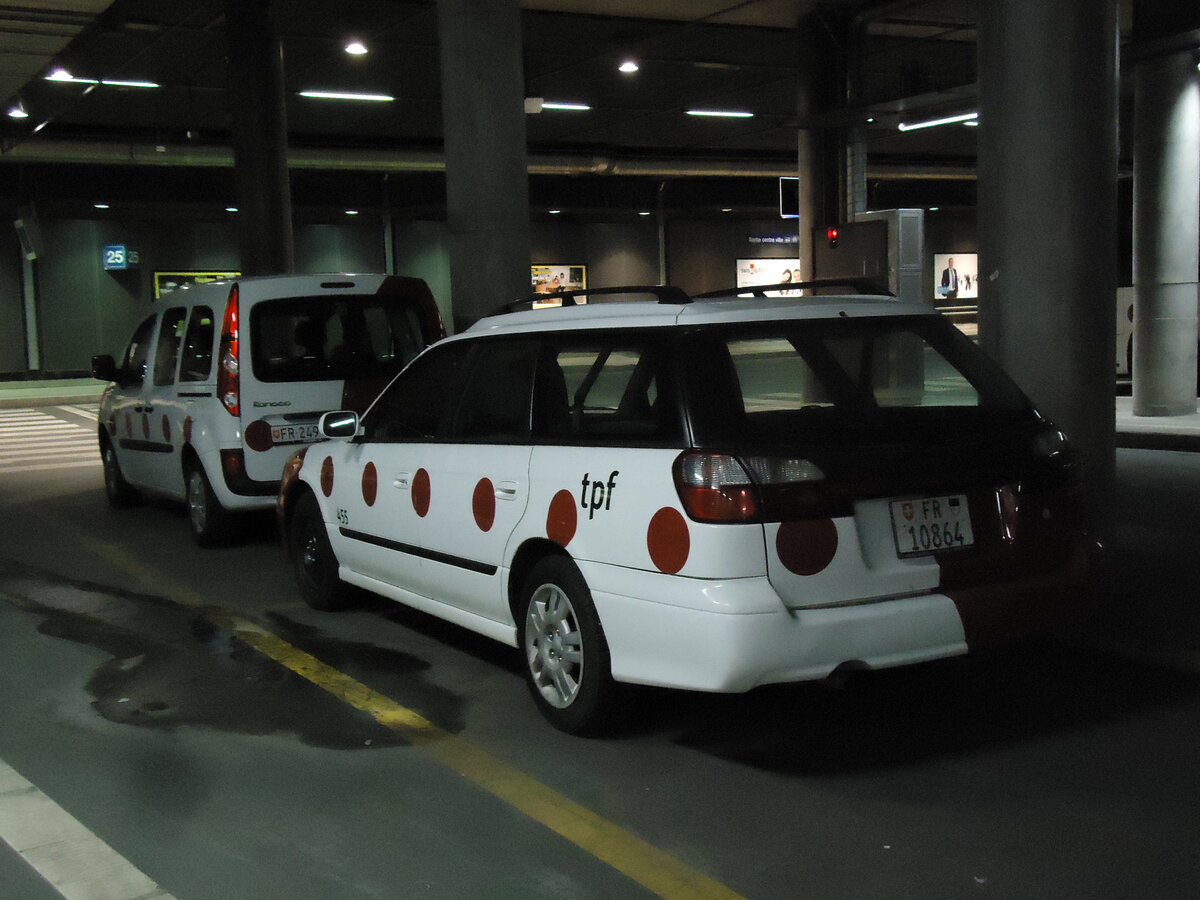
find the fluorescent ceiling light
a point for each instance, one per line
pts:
(931, 123)
(133, 84)
(63, 75)
(231, 209)
(575, 107)
(554, 212)
(100, 205)
(721, 113)
(644, 212)
(628, 66)
(356, 48)
(347, 95)
(352, 212)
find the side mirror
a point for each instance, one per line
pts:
(340, 425)
(104, 368)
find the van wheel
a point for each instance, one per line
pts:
(565, 650)
(209, 520)
(313, 561)
(118, 491)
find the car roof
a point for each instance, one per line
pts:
(727, 308)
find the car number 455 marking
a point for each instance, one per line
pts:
(928, 524)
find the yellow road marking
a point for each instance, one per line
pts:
(639, 860)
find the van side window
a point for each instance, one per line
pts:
(605, 387)
(419, 403)
(133, 363)
(166, 354)
(198, 346)
(495, 403)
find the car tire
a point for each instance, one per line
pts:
(566, 653)
(209, 520)
(313, 560)
(119, 492)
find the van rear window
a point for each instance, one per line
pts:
(330, 338)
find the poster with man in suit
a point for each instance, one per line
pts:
(954, 276)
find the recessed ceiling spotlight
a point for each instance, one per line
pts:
(17, 111)
(726, 209)
(721, 113)
(61, 74)
(554, 212)
(231, 209)
(644, 212)
(352, 212)
(628, 66)
(356, 48)
(100, 205)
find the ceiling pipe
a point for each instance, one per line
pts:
(213, 156)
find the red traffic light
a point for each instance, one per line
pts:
(831, 234)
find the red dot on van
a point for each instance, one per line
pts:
(421, 492)
(483, 504)
(327, 476)
(129, 424)
(187, 430)
(145, 426)
(562, 518)
(258, 435)
(370, 484)
(668, 540)
(166, 428)
(808, 547)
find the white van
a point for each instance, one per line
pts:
(221, 383)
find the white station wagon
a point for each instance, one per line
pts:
(707, 493)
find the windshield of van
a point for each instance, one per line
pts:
(844, 379)
(325, 338)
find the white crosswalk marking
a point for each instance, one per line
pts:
(33, 440)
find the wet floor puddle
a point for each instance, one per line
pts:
(171, 666)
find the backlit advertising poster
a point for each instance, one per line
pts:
(753, 272)
(955, 277)
(550, 278)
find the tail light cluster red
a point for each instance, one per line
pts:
(228, 381)
(720, 487)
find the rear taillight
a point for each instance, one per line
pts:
(228, 382)
(718, 487)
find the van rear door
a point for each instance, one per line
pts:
(318, 352)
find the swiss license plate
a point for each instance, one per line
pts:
(295, 434)
(925, 525)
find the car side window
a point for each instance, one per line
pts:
(133, 363)
(604, 387)
(198, 346)
(166, 354)
(496, 394)
(419, 403)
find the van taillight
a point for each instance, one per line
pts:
(718, 487)
(228, 383)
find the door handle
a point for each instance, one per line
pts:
(507, 490)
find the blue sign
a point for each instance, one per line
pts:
(116, 257)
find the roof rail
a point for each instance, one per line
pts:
(666, 293)
(858, 285)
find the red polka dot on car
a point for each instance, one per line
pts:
(129, 424)
(327, 476)
(422, 493)
(145, 426)
(258, 435)
(370, 484)
(187, 430)
(562, 518)
(668, 540)
(483, 504)
(807, 547)
(166, 428)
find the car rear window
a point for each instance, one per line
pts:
(842, 378)
(325, 338)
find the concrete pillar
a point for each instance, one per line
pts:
(483, 124)
(1166, 234)
(1047, 213)
(264, 198)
